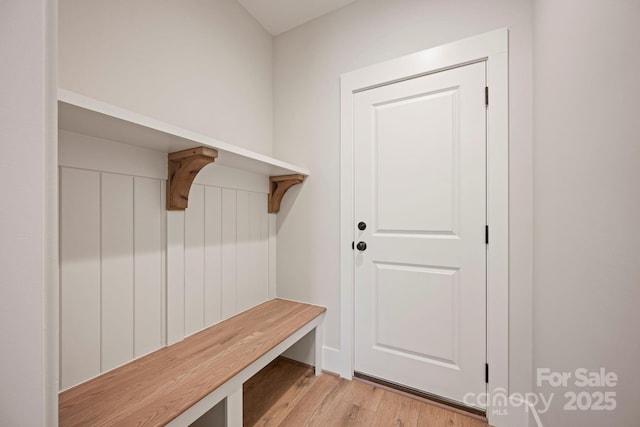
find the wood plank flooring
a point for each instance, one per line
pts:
(288, 394)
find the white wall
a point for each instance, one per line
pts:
(587, 200)
(308, 64)
(203, 65)
(28, 320)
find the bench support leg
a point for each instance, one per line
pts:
(234, 409)
(318, 335)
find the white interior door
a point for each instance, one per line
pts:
(420, 188)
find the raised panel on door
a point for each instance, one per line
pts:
(420, 134)
(435, 327)
(420, 188)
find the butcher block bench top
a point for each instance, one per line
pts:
(156, 388)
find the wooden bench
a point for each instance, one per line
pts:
(177, 384)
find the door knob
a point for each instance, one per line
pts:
(362, 226)
(361, 246)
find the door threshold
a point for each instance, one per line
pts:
(432, 399)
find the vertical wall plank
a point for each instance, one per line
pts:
(194, 261)
(243, 252)
(80, 276)
(259, 281)
(175, 276)
(263, 246)
(212, 255)
(228, 258)
(117, 270)
(163, 259)
(272, 218)
(148, 229)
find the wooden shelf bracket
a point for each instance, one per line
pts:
(183, 167)
(278, 185)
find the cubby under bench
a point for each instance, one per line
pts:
(178, 384)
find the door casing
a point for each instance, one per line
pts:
(491, 47)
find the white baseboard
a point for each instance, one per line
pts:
(331, 360)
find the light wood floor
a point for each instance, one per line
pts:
(288, 394)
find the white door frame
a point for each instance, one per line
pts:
(491, 47)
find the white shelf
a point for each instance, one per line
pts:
(87, 116)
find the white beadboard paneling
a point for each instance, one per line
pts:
(117, 270)
(148, 229)
(228, 253)
(212, 254)
(135, 276)
(87, 152)
(194, 261)
(175, 276)
(80, 276)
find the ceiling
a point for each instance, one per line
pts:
(278, 16)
